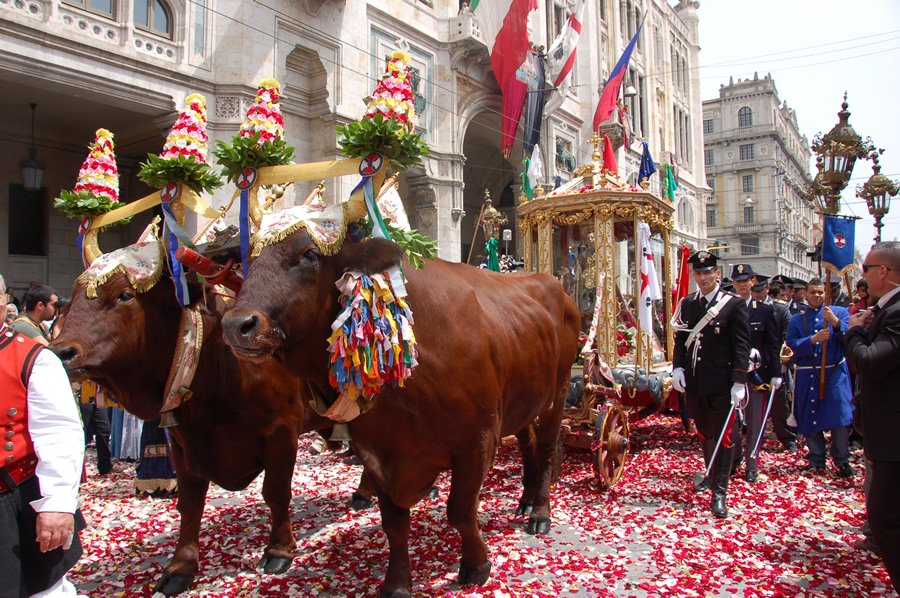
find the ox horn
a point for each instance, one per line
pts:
(90, 246)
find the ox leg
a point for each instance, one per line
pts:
(395, 522)
(529, 471)
(462, 514)
(363, 497)
(179, 573)
(281, 456)
(546, 445)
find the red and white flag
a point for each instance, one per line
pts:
(649, 284)
(504, 25)
(561, 57)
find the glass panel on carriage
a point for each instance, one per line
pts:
(627, 290)
(574, 265)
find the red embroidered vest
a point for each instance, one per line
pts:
(17, 356)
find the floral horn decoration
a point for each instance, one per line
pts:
(97, 189)
(183, 158)
(260, 142)
(389, 124)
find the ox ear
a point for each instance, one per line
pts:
(371, 255)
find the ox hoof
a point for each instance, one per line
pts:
(477, 576)
(433, 493)
(538, 526)
(524, 509)
(399, 593)
(172, 584)
(361, 503)
(275, 564)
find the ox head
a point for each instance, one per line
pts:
(121, 324)
(289, 299)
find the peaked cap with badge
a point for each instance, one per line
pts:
(703, 261)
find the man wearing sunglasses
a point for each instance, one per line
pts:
(873, 346)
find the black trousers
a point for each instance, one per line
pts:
(96, 425)
(884, 515)
(24, 569)
(780, 412)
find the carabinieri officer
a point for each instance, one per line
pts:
(712, 348)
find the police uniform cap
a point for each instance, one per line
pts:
(703, 261)
(785, 280)
(799, 284)
(760, 281)
(741, 272)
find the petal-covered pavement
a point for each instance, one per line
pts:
(787, 535)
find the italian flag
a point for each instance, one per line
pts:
(504, 25)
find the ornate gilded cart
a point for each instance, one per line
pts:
(586, 234)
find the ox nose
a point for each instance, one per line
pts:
(66, 352)
(247, 324)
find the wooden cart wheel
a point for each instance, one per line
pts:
(611, 444)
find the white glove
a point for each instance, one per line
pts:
(678, 379)
(738, 392)
(776, 382)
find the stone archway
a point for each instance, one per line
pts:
(485, 168)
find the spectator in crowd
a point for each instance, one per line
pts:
(816, 329)
(95, 415)
(12, 312)
(40, 305)
(862, 294)
(873, 346)
(41, 468)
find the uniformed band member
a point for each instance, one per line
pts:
(798, 303)
(816, 327)
(710, 363)
(781, 407)
(40, 468)
(764, 338)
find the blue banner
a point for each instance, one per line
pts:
(838, 243)
(648, 166)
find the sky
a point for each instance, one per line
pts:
(816, 50)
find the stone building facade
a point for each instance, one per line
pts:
(127, 65)
(757, 167)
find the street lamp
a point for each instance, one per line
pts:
(877, 192)
(836, 154)
(32, 169)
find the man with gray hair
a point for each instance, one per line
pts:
(873, 346)
(40, 467)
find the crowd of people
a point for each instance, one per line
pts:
(50, 421)
(838, 361)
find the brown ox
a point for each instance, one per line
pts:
(495, 353)
(241, 419)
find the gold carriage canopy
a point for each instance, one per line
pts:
(586, 231)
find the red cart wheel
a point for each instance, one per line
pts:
(611, 444)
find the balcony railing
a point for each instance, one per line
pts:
(747, 228)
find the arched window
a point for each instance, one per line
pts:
(154, 16)
(745, 117)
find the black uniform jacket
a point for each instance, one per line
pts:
(876, 354)
(764, 338)
(724, 351)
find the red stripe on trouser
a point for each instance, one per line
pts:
(726, 440)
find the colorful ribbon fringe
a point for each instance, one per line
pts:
(372, 343)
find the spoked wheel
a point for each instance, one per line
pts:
(610, 444)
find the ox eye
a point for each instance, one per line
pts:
(310, 257)
(125, 296)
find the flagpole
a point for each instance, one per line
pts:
(638, 252)
(475, 233)
(825, 344)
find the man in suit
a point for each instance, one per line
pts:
(821, 328)
(712, 353)
(763, 338)
(872, 346)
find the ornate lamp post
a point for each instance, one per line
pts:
(877, 192)
(836, 155)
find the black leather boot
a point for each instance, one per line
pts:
(720, 473)
(708, 447)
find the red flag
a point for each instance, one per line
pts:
(609, 156)
(683, 283)
(607, 102)
(504, 24)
